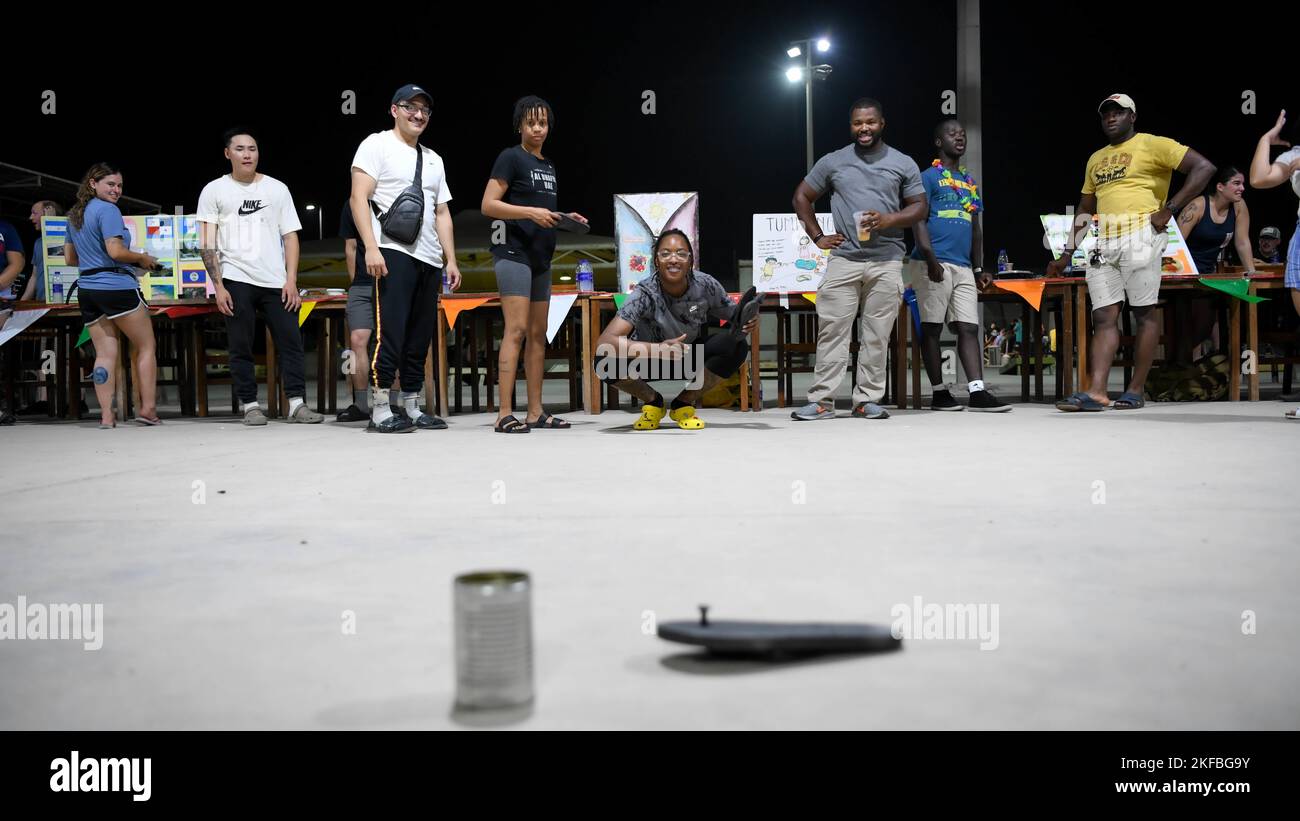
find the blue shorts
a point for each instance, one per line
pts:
(1293, 260)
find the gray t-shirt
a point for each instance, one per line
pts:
(877, 180)
(656, 316)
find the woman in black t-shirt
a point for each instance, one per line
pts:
(522, 191)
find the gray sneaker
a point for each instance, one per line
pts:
(812, 411)
(254, 417)
(305, 416)
(870, 410)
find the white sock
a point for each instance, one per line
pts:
(294, 404)
(942, 386)
(975, 385)
(411, 401)
(248, 406)
(379, 410)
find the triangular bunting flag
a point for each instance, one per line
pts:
(1240, 288)
(560, 305)
(1029, 290)
(453, 307)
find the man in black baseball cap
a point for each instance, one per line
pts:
(409, 92)
(405, 273)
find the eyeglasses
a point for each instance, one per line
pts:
(674, 254)
(415, 109)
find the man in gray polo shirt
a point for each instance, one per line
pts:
(876, 192)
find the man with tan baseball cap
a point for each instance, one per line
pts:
(1121, 100)
(1125, 186)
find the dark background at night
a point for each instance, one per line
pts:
(728, 124)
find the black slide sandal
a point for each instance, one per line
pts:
(546, 420)
(510, 424)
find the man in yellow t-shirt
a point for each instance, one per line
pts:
(1125, 186)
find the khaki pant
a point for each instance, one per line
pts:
(869, 292)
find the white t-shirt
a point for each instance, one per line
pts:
(391, 163)
(1287, 157)
(251, 219)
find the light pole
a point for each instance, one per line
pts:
(806, 73)
(320, 229)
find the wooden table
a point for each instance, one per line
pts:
(1189, 283)
(1054, 288)
(1270, 278)
(191, 367)
(578, 312)
(796, 302)
(904, 339)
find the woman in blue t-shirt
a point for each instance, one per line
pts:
(107, 291)
(522, 191)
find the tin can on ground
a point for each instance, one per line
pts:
(494, 639)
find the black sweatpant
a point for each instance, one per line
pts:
(283, 324)
(722, 354)
(406, 313)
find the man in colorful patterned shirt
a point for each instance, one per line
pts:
(944, 265)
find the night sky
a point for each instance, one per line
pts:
(727, 123)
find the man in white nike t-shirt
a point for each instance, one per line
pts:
(248, 225)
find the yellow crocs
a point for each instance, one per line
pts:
(650, 416)
(686, 419)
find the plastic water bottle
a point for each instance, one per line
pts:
(586, 278)
(1004, 262)
(446, 282)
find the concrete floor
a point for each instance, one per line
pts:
(228, 614)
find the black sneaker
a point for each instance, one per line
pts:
(352, 414)
(987, 403)
(7, 418)
(393, 424)
(943, 401)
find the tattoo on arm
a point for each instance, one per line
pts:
(212, 262)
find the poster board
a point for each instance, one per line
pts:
(1056, 228)
(784, 256)
(172, 239)
(639, 219)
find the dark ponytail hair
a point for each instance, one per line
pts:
(1221, 177)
